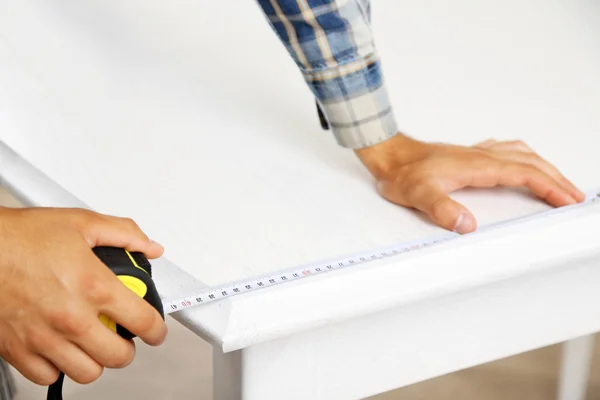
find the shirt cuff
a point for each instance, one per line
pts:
(355, 102)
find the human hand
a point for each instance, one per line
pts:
(420, 175)
(53, 289)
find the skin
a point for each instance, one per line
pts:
(421, 175)
(54, 288)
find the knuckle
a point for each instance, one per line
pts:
(133, 228)
(97, 290)
(88, 375)
(418, 187)
(440, 209)
(130, 223)
(120, 359)
(533, 171)
(45, 378)
(83, 219)
(56, 316)
(76, 326)
(520, 144)
(531, 161)
(69, 322)
(146, 321)
(40, 339)
(519, 168)
(32, 368)
(12, 352)
(38, 372)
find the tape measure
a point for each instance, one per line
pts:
(318, 268)
(135, 271)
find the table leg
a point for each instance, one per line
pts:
(575, 367)
(227, 375)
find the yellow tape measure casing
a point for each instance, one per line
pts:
(136, 286)
(135, 272)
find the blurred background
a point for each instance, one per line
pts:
(181, 369)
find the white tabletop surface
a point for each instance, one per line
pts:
(197, 124)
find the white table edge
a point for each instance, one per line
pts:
(355, 292)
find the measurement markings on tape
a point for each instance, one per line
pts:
(213, 294)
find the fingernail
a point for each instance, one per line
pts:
(464, 224)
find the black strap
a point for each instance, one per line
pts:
(322, 119)
(55, 390)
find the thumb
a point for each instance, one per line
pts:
(434, 202)
(121, 232)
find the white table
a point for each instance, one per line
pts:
(197, 125)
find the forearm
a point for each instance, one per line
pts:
(332, 44)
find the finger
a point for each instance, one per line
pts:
(33, 367)
(121, 232)
(433, 201)
(106, 347)
(71, 360)
(519, 151)
(543, 165)
(135, 314)
(79, 321)
(110, 297)
(541, 184)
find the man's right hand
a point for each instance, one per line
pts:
(53, 289)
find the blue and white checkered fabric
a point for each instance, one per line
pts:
(332, 43)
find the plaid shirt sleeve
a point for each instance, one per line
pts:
(332, 44)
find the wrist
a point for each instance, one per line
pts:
(388, 156)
